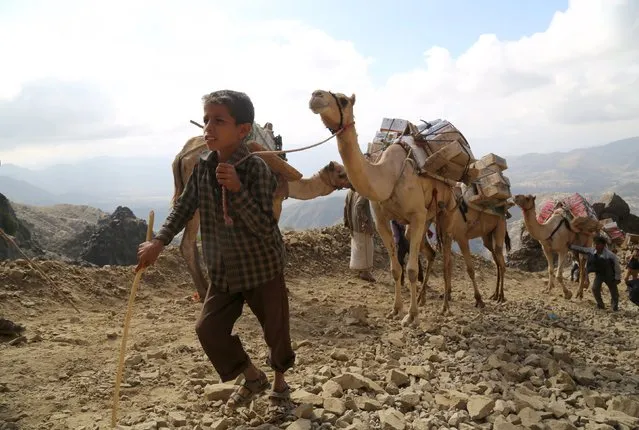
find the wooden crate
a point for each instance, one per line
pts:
(492, 160)
(631, 240)
(399, 125)
(454, 152)
(497, 191)
(439, 136)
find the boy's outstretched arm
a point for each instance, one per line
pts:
(254, 201)
(580, 249)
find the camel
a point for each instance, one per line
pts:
(469, 223)
(330, 178)
(395, 191)
(555, 235)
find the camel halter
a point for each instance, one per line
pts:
(227, 219)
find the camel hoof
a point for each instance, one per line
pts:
(446, 311)
(567, 295)
(409, 320)
(479, 304)
(393, 314)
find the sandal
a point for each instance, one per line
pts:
(246, 392)
(280, 405)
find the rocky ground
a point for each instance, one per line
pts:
(534, 362)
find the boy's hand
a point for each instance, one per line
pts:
(227, 177)
(148, 253)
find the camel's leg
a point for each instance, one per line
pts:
(583, 277)
(551, 271)
(189, 251)
(382, 224)
(560, 276)
(448, 269)
(488, 244)
(416, 237)
(430, 259)
(495, 295)
(470, 269)
(500, 261)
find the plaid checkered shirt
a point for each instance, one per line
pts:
(248, 253)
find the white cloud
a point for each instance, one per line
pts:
(572, 85)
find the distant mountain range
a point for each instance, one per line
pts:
(147, 183)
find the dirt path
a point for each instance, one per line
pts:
(532, 362)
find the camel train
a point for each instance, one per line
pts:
(398, 190)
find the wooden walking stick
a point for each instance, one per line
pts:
(125, 332)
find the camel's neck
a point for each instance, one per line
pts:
(536, 230)
(372, 181)
(309, 188)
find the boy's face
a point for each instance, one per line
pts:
(599, 246)
(220, 130)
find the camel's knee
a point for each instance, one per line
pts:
(412, 275)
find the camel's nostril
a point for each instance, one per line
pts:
(317, 94)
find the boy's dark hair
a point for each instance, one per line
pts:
(239, 104)
(600, 240)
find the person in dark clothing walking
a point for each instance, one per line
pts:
(605, 265)
(632, 266)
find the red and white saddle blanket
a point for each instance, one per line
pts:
(576, 205)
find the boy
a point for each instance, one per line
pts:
(606, 267)
(245, 260)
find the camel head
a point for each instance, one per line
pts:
(335, 109)
(334, 175)
(525, 202)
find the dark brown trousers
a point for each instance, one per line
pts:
(269, 303)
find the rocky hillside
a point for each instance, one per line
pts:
(532, 363)
(72, 233)
(17, 230)
(57, 227)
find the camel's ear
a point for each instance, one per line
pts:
(534, 198)
(353, 99)
(331, 166)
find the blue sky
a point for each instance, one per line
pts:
(397, 33)
(124, 77)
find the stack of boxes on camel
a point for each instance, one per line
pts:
(441, 151)
(576, 206)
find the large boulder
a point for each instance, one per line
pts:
(20, 234)
(611, 205)
(116, 239)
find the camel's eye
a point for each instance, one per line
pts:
(343, 101)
